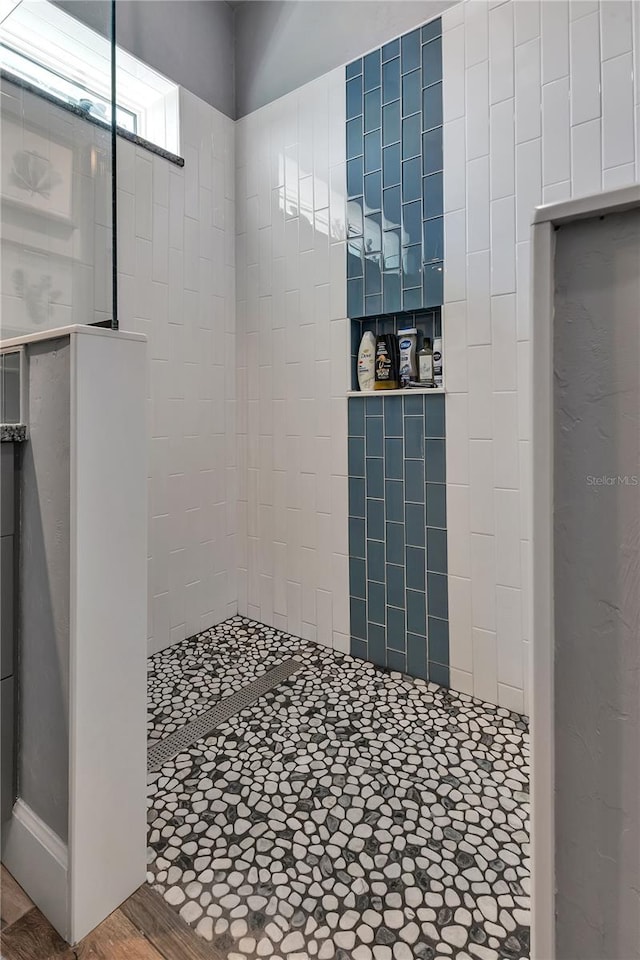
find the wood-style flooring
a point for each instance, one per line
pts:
(142, 928)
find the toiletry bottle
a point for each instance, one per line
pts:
(437, 362)
(425, 364)
(367, 361)
(386, 375)
(407, 343)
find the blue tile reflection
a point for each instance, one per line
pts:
(411, 266)
(432, 62)
(433, 240)
(412, 298)
(372, 110)
(411, 141)
(391, 165)
(410, 44)
(355, 171)
(373, 192)
(432, 196)
(355, 297)
(372, 274)
(391, 81)
(371, 70)
(411, 93)
(355, 145)
(391, 50)
(432, 151)
(355, 266)
(432, 107)
(391, 206)
(391, 292)
(373, 233)
(391, 250)
(354, 98)
(412, 223)
(432, 30)
(433, 284)
(355, 220)
(391, 123)
(372, 151)
(411, 180)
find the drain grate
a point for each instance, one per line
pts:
(160, 751)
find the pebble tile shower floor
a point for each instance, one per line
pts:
(349, 814)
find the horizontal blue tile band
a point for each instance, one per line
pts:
(397, 534)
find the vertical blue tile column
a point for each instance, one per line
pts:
(394, 176)
(397, 534)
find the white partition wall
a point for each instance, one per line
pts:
(586, 570)
(77, 838)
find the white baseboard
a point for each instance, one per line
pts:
(37, 858)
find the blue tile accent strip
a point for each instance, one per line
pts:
(394, 140)
(398, 534)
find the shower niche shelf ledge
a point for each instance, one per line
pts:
(408, 392)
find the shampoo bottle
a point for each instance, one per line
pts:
(437, 362)
(407, 341)
(367, 362)
(387, 362)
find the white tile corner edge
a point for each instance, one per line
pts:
(542, 625)
(596, 204)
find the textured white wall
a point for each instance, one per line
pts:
(293, 356)
(176, 234)
(540, 106)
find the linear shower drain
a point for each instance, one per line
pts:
(160, 751)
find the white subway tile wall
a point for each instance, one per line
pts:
(552, 111)
(235, 269)
(293, 355)
(176, 235)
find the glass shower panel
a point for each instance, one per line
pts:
(57, 169)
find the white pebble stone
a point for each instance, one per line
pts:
(364, 933)
(402, 952)
(349, 919)
(205, 928)
(371, 918)
(294, 941)
(274, 932)
(362, 952)
(345, 939)
(381, 952)
(393, 919)
(457, 936)
(414, 896)
(191, 911)
(410, 933)
(489, 908)
(174, 896)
